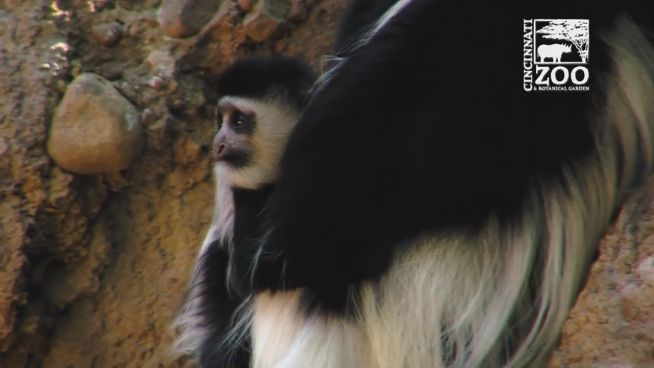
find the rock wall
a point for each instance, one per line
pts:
(612, 324)
(96, 249)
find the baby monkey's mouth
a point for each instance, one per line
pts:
(233, 158)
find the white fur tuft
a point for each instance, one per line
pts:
(189, 324)
(284, 337)
(334, 62)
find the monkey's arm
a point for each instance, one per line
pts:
(219, 305)
(217, 309)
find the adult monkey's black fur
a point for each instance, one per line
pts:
(453, 212)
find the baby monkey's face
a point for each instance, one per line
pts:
(235, 127)
(251, 135)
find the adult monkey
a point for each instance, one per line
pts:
(431, 213)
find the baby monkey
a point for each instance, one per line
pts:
(259, 103)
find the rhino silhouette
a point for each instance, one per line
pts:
(553, 51)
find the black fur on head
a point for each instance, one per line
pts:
(268, 76)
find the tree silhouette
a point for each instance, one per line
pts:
(573, 30)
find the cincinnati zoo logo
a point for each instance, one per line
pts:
(555, 54)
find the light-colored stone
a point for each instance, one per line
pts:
(94, 129)
(265, 19)
(108, 35)
(161, 62)
(184, 18)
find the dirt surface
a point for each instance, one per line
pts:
(93, 268)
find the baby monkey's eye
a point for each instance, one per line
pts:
(238, 119)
